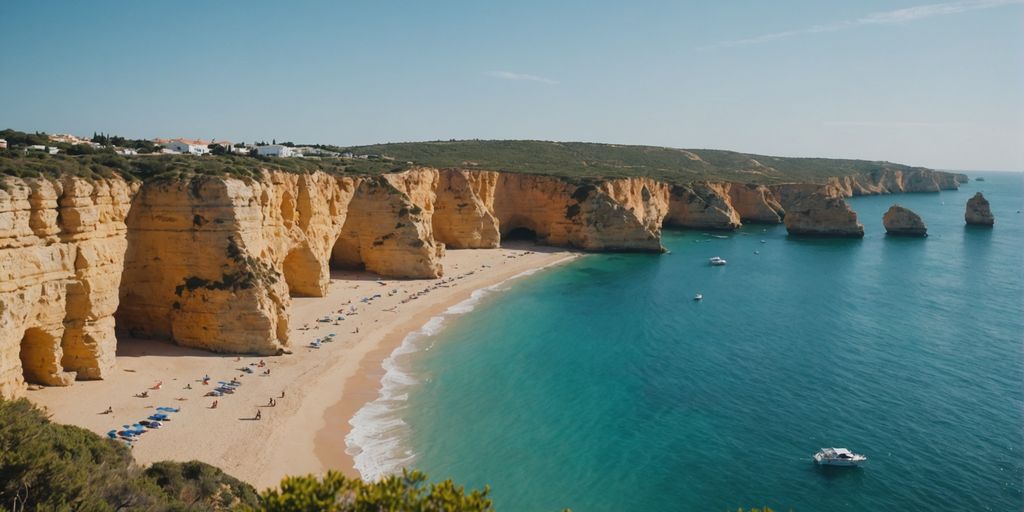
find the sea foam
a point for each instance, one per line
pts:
(378, 439)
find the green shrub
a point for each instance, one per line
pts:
(405, 492)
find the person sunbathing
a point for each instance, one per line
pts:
(110, 410)
(144, 394)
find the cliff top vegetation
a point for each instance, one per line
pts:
(578, 161)
(585, 160)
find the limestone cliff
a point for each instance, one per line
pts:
(212, 262)
(755, 203)
(702, 206)
(62, 248)
(901, 221)
(891, 181)
(978, 211)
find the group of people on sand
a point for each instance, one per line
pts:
(443, 283)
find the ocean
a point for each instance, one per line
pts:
(602, 385)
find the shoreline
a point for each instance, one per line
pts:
(323, 388)
(368, 383)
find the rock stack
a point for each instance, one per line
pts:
(902, 222)
(978, 212)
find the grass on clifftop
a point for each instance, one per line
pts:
(169, 167)
(582, 160)
(577, 161)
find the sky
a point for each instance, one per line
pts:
(933, 84)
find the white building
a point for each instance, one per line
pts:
(276, 150)
(39, 147)
(3, 143)
(185, 146)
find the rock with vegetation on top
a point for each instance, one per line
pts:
(903, 222)
(978, 212)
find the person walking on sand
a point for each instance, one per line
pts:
(258, 415)
(214, 406)
(282, 394)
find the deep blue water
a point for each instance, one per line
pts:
(601, 384)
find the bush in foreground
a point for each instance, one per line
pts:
(406, 492)
(45, 466)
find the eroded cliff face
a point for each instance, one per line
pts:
(894, 181)
(62, 247)
(212, 262)
(702, 206)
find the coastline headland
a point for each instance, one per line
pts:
(90, 266)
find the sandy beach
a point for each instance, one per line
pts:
(304, 431)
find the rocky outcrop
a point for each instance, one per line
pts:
(62, 247)
(822, 214)
(387, 233)
(755, 203)
(702, 206)
(978, 212)
(901, 221)
(462, 218)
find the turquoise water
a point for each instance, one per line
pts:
(601, 385)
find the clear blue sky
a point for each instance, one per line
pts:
(939, 84)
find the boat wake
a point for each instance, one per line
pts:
(378, 441)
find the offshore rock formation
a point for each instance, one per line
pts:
(62, 248)
(978, 212)
(821, 214)
(212, 262)
(901, 221)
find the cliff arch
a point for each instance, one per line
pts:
(303, 273)
(520, 234)
(40, 356)
(520, 227)
(345, 255)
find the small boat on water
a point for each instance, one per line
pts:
(698, 297)
(979, 179)
(719, 236)
(838, 457)
(716, 261)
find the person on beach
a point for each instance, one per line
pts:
(110, 410)
(188, 386)
(282, 394)
(214, 406)
(258, 415)
(158, 385)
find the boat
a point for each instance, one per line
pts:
(838, 457)
(716, 261)
(979, 179)
(698, 297)
(719, 236)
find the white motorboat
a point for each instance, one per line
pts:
(698, 297)
(716, 261)
(838, 457)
